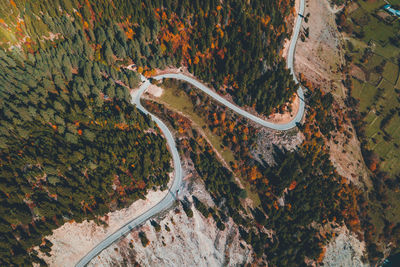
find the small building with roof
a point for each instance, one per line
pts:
(391, 10)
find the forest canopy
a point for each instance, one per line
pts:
(72, 146)
(233, 45)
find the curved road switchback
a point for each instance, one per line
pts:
(169, 199)
(164, 203)
(236, 108)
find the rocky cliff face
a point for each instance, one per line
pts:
(181, 241)
(345, 250)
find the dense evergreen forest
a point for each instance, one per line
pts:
(302, 195)
(233, 45)
(72, 147)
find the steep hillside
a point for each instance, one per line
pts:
(73, 148)
(353, 54)
(233, 45)
(177, 238)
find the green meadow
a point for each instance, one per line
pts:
(374, 47)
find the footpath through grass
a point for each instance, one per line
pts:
(176, 99)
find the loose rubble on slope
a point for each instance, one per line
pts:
(344, 250)
(320, 59)
(182, 241)
(73, 240)
(268, 140)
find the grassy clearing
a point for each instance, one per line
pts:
(374, 61)
(391, 72)
(377, 31)
(372, 5)
(373, 47)
(176, 99)
(374, 78)
(366, 96)
(377, 96)
(358, 86)
(382, 139)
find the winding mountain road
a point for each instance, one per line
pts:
(169, 199)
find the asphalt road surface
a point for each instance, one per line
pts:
(169, 199)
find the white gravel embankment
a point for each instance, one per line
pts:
(192, 241)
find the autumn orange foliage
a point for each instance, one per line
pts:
(13, 3)
(178, 40)
(293, 185)
(321, 256)
(254, 173)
